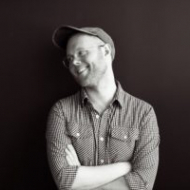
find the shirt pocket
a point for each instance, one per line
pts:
(122, 143)
(82, 140)
(76, 131)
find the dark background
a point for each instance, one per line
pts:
(152, 40)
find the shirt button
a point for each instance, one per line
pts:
(97, 116)
(78, 134)
(125, 137)
(101, 139)
(101, 161)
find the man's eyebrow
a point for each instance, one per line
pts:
(78, 49)
(82, 48)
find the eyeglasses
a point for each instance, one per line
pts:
(80, 54)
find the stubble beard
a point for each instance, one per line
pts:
(93, 77)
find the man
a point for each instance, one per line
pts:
(101, 137)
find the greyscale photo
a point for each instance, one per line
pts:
(101, 137)
(94, 95)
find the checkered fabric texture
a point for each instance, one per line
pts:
(126, 131)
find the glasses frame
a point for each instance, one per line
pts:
(67, 65)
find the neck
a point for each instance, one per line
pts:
(102, 94)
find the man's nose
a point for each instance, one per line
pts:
(76, 61)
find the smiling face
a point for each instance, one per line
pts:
(88, 60)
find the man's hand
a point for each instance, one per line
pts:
(71, 156)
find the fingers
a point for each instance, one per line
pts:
(71, 156)
(69, 161)
(72, 151)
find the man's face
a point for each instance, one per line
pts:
(86, 58)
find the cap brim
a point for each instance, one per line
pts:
(62, 34)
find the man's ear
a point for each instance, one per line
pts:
(107, 49)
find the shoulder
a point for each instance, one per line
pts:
(131, 102)
(140, 113)
(136, 102)
(66, 103)
(136, 109)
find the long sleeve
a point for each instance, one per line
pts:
(146, 155)
(57, 141)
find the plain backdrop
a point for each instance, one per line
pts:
(152, 40)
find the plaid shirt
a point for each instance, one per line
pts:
(126, 131)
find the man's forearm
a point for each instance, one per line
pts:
(120, 183)
(90, 177)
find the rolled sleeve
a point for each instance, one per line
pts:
(57, 141)
(146, 154)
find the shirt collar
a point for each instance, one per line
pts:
(119, 95)
(84, 97)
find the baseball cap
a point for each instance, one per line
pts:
(62, 34)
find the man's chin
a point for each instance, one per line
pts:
(85, 83)
(82, 83)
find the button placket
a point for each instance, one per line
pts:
(96, 125)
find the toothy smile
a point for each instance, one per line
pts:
(81, 70)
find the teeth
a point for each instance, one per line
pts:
(81, 70)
